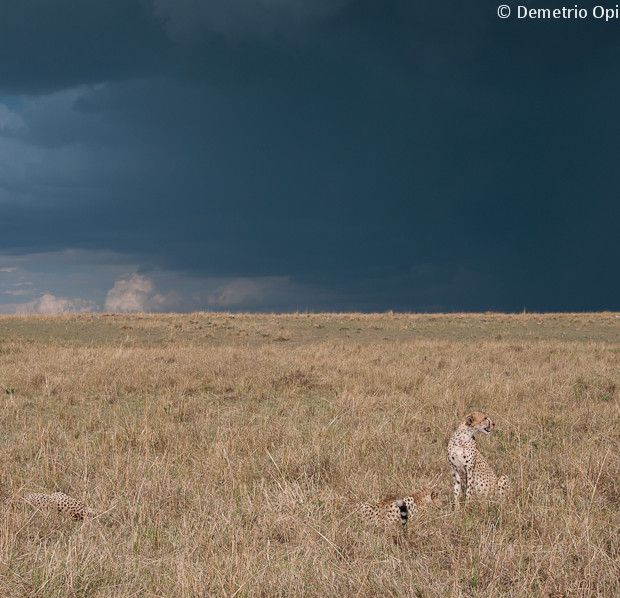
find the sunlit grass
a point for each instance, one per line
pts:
(227, 454)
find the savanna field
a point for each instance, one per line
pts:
(226, 454)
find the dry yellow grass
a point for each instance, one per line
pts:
(226, 454)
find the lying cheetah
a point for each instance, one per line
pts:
(469, 468)
(387, 513)
(422, 500)
(393, 511)
(63, 503)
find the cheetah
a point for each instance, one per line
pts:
(393, 511)
(422, 500)
(470, 469)
(387, 513)
(63, 503)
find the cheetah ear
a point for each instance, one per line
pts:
(469, 420)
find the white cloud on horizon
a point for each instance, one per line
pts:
(49, 305)
(137, 295)
(83, 281)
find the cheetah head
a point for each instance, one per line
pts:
(436, 499)
(429, 498)
(479, 423)
(432, 498)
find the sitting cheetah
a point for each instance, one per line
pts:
(469, 468)
(63, 503)
(392, 511)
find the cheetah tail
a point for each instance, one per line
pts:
(404, 512)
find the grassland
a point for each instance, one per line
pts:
(227, 453)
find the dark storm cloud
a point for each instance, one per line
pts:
(50, 45)
(241, 18)
(401, 155)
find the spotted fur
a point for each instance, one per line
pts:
(421, 500)
(63, 504)
(389, 512)
(471, 473)
(393, 511)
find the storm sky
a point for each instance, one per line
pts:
(321, 155)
